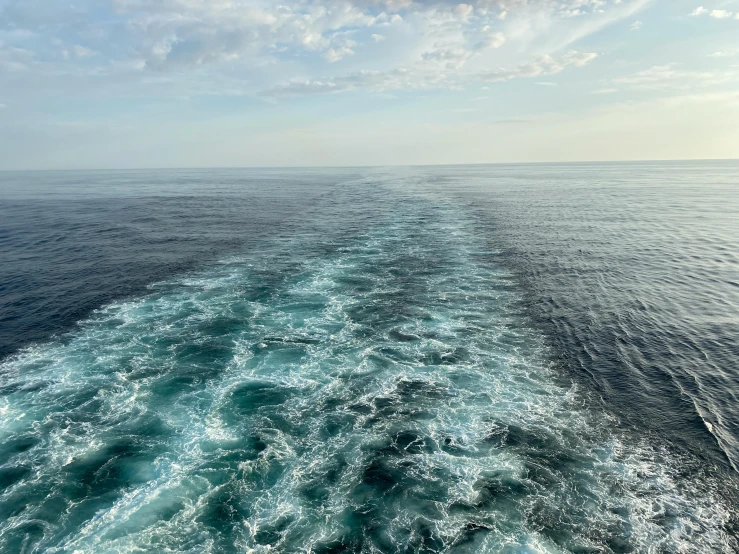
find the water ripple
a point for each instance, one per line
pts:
(382, 392)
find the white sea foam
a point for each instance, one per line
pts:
(386, 397)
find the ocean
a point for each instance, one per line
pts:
(536, 358)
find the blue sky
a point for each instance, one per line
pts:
(173, 83)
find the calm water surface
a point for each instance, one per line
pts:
(518, 359)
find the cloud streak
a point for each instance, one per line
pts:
(542, 66)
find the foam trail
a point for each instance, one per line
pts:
(383, 395)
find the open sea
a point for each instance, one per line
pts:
(457, 359)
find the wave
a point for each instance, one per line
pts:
(382, 393)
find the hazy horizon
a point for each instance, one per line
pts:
(389, 166)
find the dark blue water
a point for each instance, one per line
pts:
(526, 359)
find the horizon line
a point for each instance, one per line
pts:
(368, 166)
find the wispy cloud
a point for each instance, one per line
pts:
(377, 81)
(673, 76)
(604, 91)
(407, 79)
(714, 13)
(544, 65)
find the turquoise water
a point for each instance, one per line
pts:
(375, 384)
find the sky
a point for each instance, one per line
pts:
(202, 83)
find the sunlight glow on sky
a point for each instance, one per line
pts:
(188, 83)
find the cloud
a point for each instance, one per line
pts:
(180, 33)
(15, 59)
(716, 14)
(336, 54)
(166, 58)
(296, 47)
(721, 14)
(307, 88)
(543, 65)
(376, 81)
(462, 11)
(450, 58)
(76, 51)
(344, 46)
(453, 55)
(490, 39)
(604, 91)
(672, 76)
(406, 79)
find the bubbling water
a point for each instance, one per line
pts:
(387, 395)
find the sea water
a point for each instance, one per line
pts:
(519, 359)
